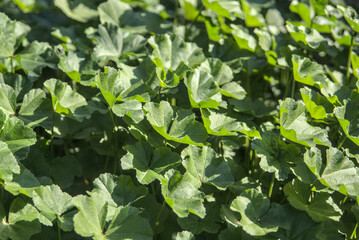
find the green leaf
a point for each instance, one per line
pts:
(126, 223)
(225, 8)
(65, 100)
(208, 224)
(256, 107)
(203, 91)
(303, 10)
(220, 71)
(11, 35)
(310, 38)
(347, 116)
(150, 164)
(244, 39)
(317, 105)
(122, 85)
(294, 125)
(21, 222)
(218, 123)
(258, 216)
(23, 183)
(7, 99)
(8, 163)
(34, 57)
(77, 10)
(331, 173)
(351, 16)
(182, 195)
(276, 156)
(111, 11)
(110, 43)
(309, 72)
(321, 207)
(173, 57)
(64, 170)
(118, 191)
(32, 101)
(184, 235)
(17, 136)
(132, 108)
(53, 204)
(202, 164)
(179, 126)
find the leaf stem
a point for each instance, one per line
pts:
(271, 186)
(341, 141)
(354, 234)
(159, 94)
(194, 20)
(2, 193)
(12, 66)
(58, 229)
(158, 220)
(349, 58)
(153, 189)
(247, 80)
(52, 133)
(246, 154)
(293, 88)
(114, 139)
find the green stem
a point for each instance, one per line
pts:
(341, 141)
(12, 66)
(246, 154)
(194, 20)
(349, 59)
(293, 88)
(2, 193)
(52, 133)
(114, 139)
(153, 189)
(284, 75)
(228, 196)
(354, 234)
(344, 200)
(271, 186)
(58, 229)
(247, 80)
(159, 94)
(158, 220)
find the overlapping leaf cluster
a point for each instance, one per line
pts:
(181, 119)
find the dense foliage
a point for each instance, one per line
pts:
(179, 119)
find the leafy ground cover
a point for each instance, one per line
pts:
(188, 119)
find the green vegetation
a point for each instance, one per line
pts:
(179, 119)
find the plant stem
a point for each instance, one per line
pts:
(159, 94)
(293, 88)
(341, 141)
(2, 193)
(271, 186)
(194, 20)
(246, 154)
(153, 188)
(247, 80)
(158, 220)
(58, 229)
(349, 59)
(354, 234)
(12, 66)
(114, 139)
(52, 133)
